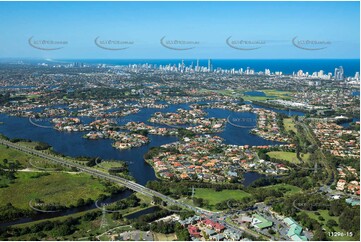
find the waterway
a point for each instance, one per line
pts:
(72, 144)
(69, 211)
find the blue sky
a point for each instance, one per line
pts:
(206, 24)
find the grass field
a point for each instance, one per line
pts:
(270, 94)
(26, 159)
(106, 165)
(62, 188)
(277, 93)
(13, 155)
(4, 181)
(216, 197)
(289, 125)
(256, 98)
(109, 164)
(144, 198)
(289, 156)
(28, 144)
(292, 189)
(164, 237)
(324, 214)
(33, 96)
(230, 93)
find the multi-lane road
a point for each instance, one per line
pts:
(94, 172)
(119, 180)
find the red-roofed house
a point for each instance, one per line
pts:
(219, 227)
(194, 231)
(209, 223)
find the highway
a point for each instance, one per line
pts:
(122, 181)
(119, 180)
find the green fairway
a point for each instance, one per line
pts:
(290, 189)
(289, 124)
(59, 187)
(231, 93)
(31, 96)
(288, 156)
(270, 94)
(256, 98)
(216, 197)
(277, 93)
(324, 214)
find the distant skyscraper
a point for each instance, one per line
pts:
(329, 76)
(197, 67)
(339, 75)
(210, 65)
(300, 73)
(320, 73)
(357, 75)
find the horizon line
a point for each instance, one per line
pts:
(39, 58)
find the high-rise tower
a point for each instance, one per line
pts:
(210, 65)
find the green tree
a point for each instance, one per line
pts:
(331, 223)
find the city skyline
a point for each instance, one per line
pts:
(338, 73)
(309, 67)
